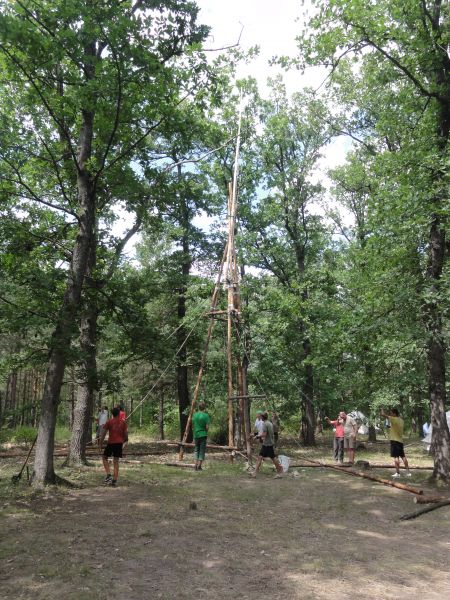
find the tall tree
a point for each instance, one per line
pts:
(69, 66)
(403, 48)
(290, 148)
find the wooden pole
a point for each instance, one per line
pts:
(230, 311)
(214, 300)
(400, 486)
(232, 277)
(371, 466)
(422, 511)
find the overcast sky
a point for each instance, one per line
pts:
(270, 24)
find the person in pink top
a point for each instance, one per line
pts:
(338, 442)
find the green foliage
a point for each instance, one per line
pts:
(24, 435)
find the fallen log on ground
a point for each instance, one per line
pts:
(89, 453)
(422, 511)
(429, 499)
(400, 486)
(192, 445)
(371, 466)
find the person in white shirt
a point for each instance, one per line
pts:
(102, 418)
(259, 424)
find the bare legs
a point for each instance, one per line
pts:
(275, 461)
(115, 467)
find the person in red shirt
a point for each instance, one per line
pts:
(338, 442)
(117, 435)
(122, 413)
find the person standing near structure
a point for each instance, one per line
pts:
(350, 431)
(259, 424)
(200, 425)
(267, 448)
(101, 420)
(396, 440)
(118, 435)
(338, 441)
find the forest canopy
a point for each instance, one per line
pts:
(118, 124)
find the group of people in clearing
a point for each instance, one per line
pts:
(345, 432)
(265, 431)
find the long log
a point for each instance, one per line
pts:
(127, 451)
(371, 466)
(422, 511)
(211, 446)
(400, 486)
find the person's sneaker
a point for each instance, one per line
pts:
(108, 480)
(408, 474)
(396, 475)
(114, 482)
(253, 475)
(278, 476)
(341, 463)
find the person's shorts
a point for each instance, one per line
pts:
(397, 450)
(267, 451)
(349, 443)
(113, 450)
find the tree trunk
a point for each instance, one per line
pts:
(372, 433)
(436, 349)
(308, 417)
(182, 368)
(13, 399)
(440, 441)
(440, 437)
(65, 328)
(161, 416)
(86, 375)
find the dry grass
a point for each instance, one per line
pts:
(313, 535)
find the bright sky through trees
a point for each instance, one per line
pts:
(273, 26)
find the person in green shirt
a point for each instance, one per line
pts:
(396, 438)
(200, 424)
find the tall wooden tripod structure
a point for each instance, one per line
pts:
(237, 392)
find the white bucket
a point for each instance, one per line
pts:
(284, 462)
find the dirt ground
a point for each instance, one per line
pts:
(315, 534)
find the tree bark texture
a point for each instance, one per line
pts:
(86, 374)
(66, 321)
(436, 349)
(182, 368)
(186, 262)
(307, 390)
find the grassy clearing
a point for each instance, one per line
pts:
(305, 536)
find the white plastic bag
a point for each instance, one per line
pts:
(284, 462)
